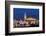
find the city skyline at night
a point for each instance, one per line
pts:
(19, 13)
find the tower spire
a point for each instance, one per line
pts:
(24, 15)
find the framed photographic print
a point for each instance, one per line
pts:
(24, 17)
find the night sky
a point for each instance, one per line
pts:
(18, 13)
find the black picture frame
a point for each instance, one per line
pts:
(7, 13)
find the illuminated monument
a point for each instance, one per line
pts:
(33, 21)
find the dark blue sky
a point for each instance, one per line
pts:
(19, 13)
